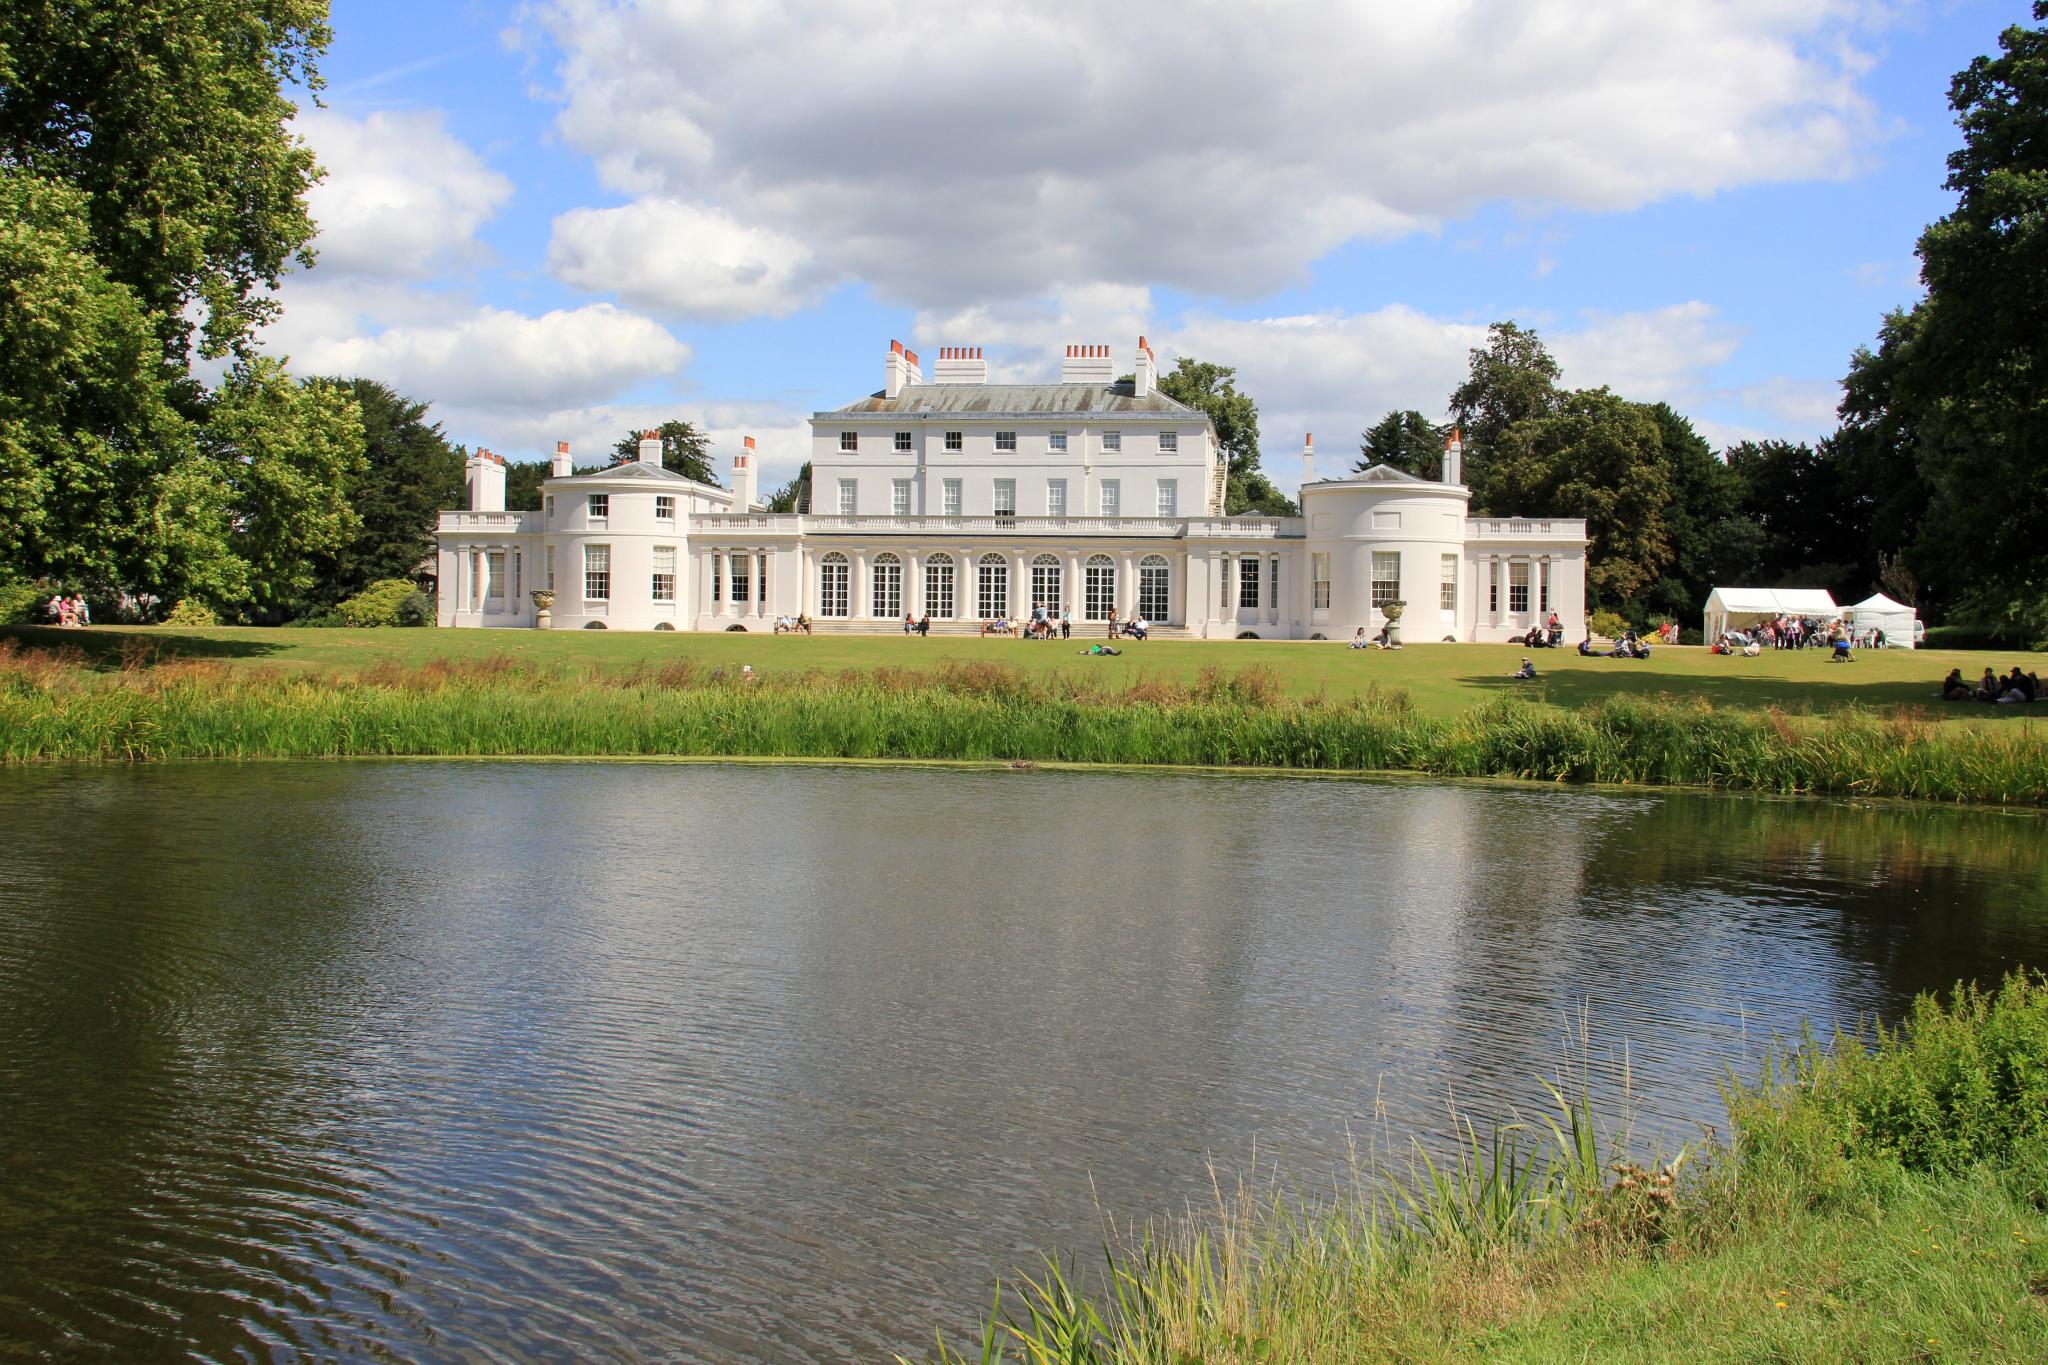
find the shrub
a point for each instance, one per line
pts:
(416, 610)
(20, 604)
(1607, 623)
(381, 604)
(1688, 636)
(190, 612)
(1960, 1084)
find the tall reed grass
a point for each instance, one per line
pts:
(54, 708)
(1529, 1243)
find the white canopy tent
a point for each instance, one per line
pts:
(1895, 619)
(1738, 608)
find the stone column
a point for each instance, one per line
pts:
(1226, 605)
(913, 583)
(1072, 586)
(760, 558)
(1500, 579)
(1127, 584)
(857, 585)
(1277, 585)
(1020, 587)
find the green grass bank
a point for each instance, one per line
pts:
(1876, 1203)
(1438, 679)
(55, 706)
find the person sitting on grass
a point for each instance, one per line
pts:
(1953, 688)
(1137, 628)
(1586, 650)
(1752, 650)
(1842, 653)
(803, 623)
(1358, 641)
(924, 625)
(1987, 687)
(1526, 671)
(2018, 687)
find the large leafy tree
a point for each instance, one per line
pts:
(89, 422)
(1212, 389)
(1962, 380)
(1405, 440)
(170, 117)
(1711, 540)
(684, 449)
(290, 451)
(1511, 379)
(409, 472)
(1597, 456)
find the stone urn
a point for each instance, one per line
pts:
(543, 606)
(1392, 611)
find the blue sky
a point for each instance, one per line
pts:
(561, 220)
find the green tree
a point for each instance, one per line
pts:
(90, 432)
(1962, 380)
(1406, 441)
(290, 451)
(1808, 518)
(410, 472)
(794, 496)
(1211, 389)
(169, 116)
(684, 449)
(1511, 379)
(1597, 456)
(1710, 539)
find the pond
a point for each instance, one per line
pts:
(505, 1061)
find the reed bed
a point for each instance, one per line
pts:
(54, 708)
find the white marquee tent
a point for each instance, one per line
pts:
(1739, 608)
(1895, 619)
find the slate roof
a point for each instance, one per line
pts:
(1018, 400)
(1381, 473)
(628, 469)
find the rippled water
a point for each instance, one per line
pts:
(524, 1061)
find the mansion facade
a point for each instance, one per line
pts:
(968, 501)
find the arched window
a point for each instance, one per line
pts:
(1155, 582)
(1099, 582)
(1045, 583)
(832, 580)
(938, 586)
(992, 587)
(888, 591)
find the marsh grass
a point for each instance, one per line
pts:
(54, 707)
(1880, 1202)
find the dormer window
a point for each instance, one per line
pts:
(849, 441)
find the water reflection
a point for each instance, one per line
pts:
(484, 1062)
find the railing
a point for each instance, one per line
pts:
(1011, 525)
(1556, 527)
(505, 523)
(746, 521)
(1257, 528)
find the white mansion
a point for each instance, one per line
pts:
(967, 501)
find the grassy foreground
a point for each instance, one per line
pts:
(57, 708)
(1439, 679)
(1881, 1204)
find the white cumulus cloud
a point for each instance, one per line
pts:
(676, 258)
(403, 197)
(953, 154)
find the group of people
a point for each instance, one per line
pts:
(1383, 640)
(1047, 624)
(1549, 635)
(799, 624)
(69, 611)
(2014, 687)
(1629, 646)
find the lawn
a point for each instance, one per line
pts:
(1440, 679)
